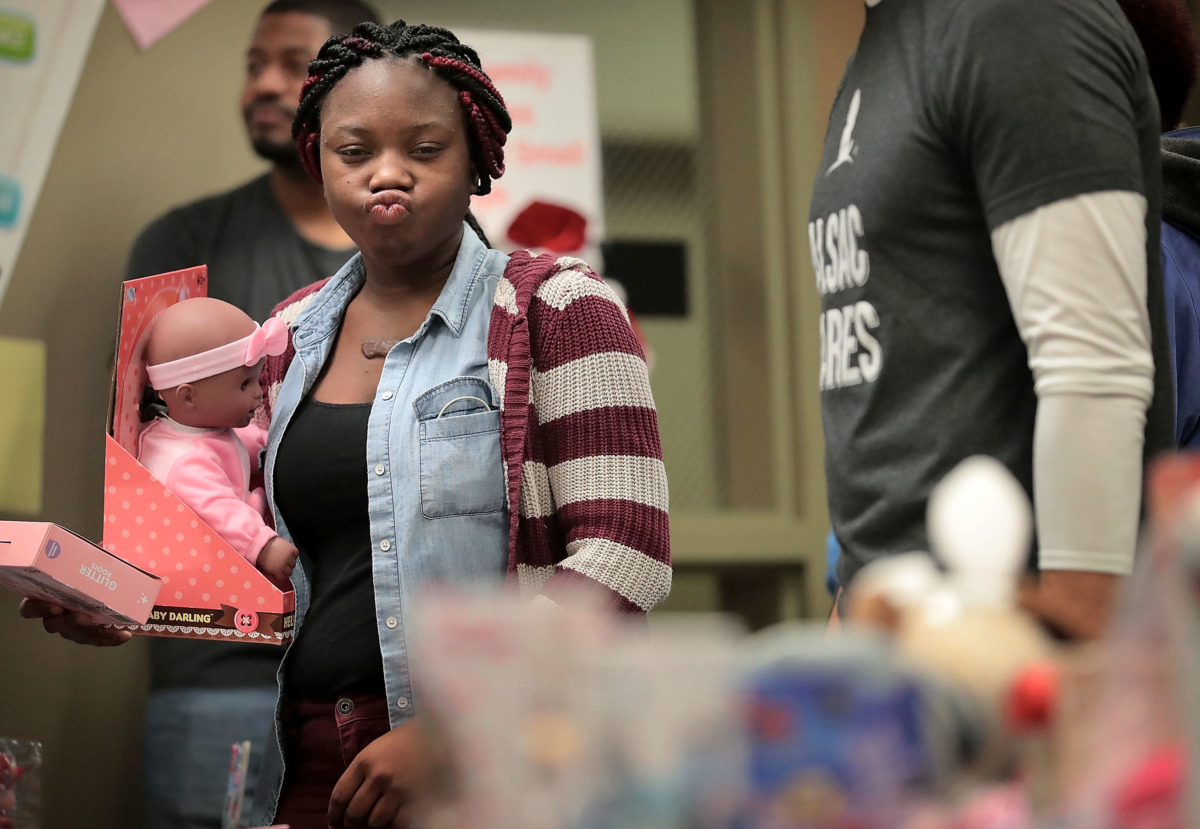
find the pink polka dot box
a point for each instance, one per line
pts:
(208, 590)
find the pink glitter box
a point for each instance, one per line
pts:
(46, 561)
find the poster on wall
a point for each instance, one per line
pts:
(550, 197)
(43, 45)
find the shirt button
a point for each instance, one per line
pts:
(385, 545)
(379, 469)
(391, 621)
(387, 395)
(402, 702)
(345, 706)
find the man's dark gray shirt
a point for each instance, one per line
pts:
(255, 257)
(954, 117)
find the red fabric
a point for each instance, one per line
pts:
(613, 430)
(551, 226)
(321, 743)
(510, 336)
(641, 523)
(580, 316)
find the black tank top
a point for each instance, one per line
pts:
(321, 491)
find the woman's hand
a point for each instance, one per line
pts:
(72, 625)
(388, 782)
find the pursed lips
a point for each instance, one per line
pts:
(389, 205)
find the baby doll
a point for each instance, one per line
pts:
(204, 357)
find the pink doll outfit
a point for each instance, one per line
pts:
(209, 470)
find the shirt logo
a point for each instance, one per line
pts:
(846, 146)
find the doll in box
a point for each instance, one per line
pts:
(204, 357)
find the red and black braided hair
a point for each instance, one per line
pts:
(487, 118)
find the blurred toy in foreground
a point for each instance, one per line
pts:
(561, 719)
(564, 718)
(940, 706)
(10, 773)
(1139, 690)
(841, 733)
(204, 357)
(20, 794)
(964, 627)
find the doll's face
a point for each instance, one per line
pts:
(192, 327)
(225, 400)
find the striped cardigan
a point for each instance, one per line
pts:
(578, 433)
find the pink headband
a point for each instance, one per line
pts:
(271, 338)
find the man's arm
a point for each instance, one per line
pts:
(1049, 105)
(1075, 274)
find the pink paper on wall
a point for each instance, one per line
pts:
(151, 20)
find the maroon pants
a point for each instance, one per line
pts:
(322, 739)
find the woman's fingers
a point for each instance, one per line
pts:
(72, 626)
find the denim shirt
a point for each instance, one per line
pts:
(435, 478)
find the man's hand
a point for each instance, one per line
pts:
(72, 625)
(389, 781)
(277, 560)
(1075, 604)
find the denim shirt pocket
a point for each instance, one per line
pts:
(462, 472)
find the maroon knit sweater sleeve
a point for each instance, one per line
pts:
(586, 468)
(276, 367)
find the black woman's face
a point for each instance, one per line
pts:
(395, 159)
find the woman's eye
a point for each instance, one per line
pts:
(427, 150)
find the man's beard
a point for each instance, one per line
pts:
(283, 154)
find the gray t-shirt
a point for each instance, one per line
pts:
(953, 117)
(255, 259)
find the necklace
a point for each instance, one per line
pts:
(372, 348)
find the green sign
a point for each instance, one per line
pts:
(10, 201)
(17, 36)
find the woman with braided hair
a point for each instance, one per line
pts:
(451, 415)
(444, 414)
